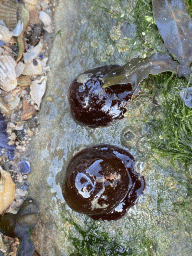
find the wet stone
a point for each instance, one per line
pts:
(21, 225)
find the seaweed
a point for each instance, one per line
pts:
(172, 125)
(137, 70)
(91, 240)
(175, 27)
(94, 242)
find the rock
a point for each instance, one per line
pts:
(21, 225)
(7, 190)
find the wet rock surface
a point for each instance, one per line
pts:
(85, 44)
(21, 225)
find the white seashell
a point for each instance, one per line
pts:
(43, 64)
(29, 56)
(19, 68)
(14, 103)
(18, 29)
(6, 34)
(46, 19)
(33, 70)
(8, 79)
(38, 88)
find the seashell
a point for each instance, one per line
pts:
(24, 81)
(95, 106)
(19, 68)
(24, 167)
(8, 79)
(31, 4)
(38, 88)
(7, 190)
(29, 56)
(46, 19)
(28, 110)
(101, 182)
(14, 103)
(4, 107)
(6, 35)
(18, 29)
(33, 68)
(9, 13)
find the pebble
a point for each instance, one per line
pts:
(24, 167)
(25, 185)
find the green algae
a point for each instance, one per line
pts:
(172, 127)
(93, 241)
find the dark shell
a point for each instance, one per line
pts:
(93, 105)
(4, 146)
(101, 182)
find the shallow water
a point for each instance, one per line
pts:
(154, 226)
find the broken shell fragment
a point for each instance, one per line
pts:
(38, 88)
(14, 103)
(31, 4)
(28, 110)
(19, 68)
(33, 68)
(24, 167)
(8, 79)
(4, 107)
(24, 81)
(6, 34)
(46, 19)
(7, 190)
(29, 56)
